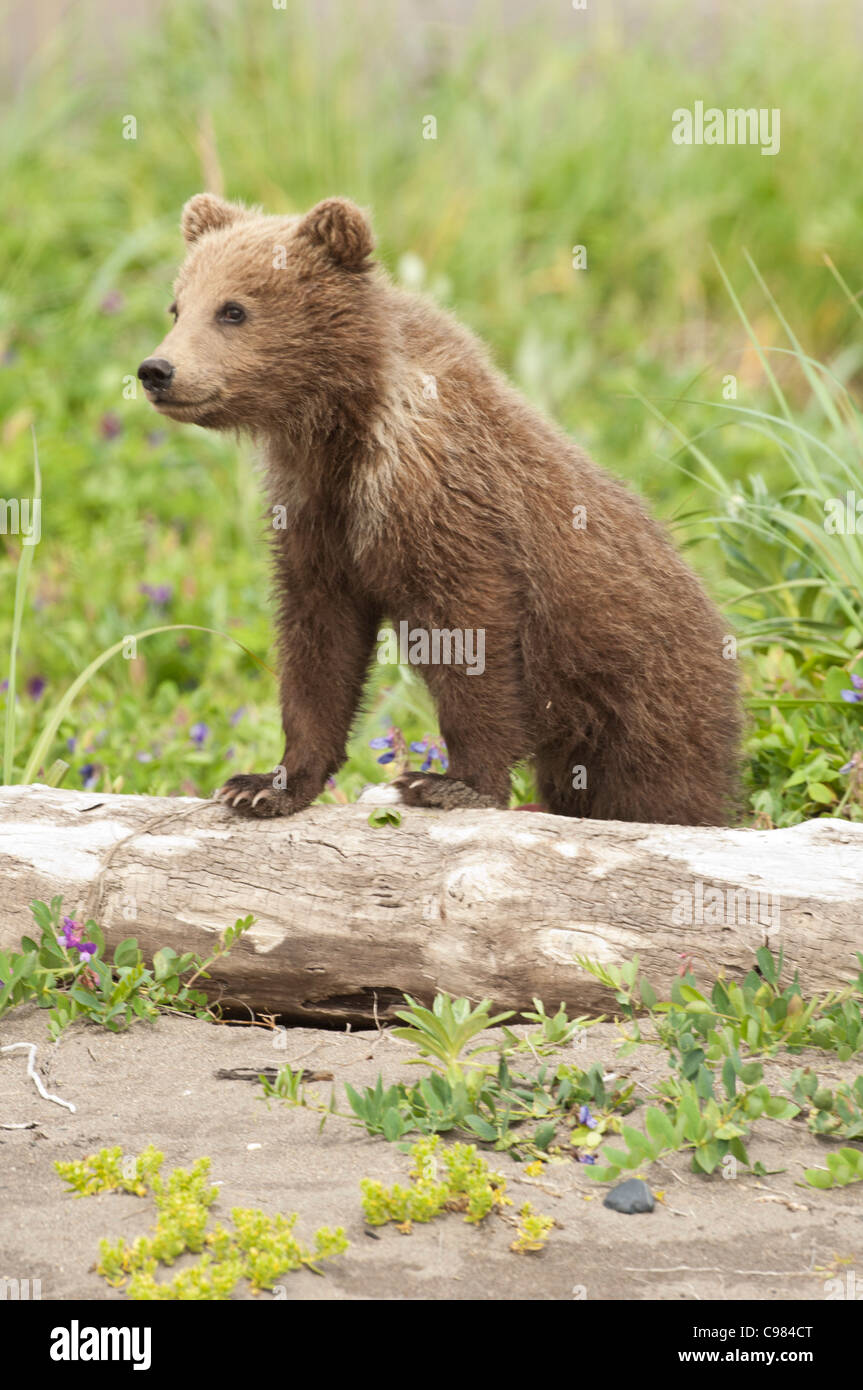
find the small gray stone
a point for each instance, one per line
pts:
(630, 1197)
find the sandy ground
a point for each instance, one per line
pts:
(709, 1238)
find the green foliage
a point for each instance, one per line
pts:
(385, 815)
(712, 1094)
(843, 1168)
(705, 1106)
(260, 1248)
(494, 1101)
(555, 1030)
(109, 1171)
(533, 1231)
(805, 754)
(270, 1248)
(288, 1085)
(758, 1014)
(711, 1129)
(510, 1109)
(63, 975)
(451, 1179)
(836, 1113)
(444, 1031)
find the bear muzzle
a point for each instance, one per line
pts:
(156, 374)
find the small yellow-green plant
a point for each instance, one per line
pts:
(111, 1171)
(454, 1179)
(533, 1230)
(260, 1248)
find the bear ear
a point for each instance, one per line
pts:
(207, 213)
(342, 229)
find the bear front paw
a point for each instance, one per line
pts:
(259, 795)
(432, 789)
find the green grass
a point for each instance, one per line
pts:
(550, 133)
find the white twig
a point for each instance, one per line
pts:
(35, 1077)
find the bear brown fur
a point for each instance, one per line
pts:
(416, 485)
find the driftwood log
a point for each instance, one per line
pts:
(492, 904)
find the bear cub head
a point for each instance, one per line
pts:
(274, 317)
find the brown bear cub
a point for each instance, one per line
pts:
(410, 482)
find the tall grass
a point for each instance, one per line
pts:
(800, 577)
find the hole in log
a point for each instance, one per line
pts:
(333, 1012)
(356, 1008)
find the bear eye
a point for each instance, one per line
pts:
(231, 313)
(172, 309)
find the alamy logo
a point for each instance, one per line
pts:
(76, 1343)
(736, 126)
(18, 1289)
(434, 647)
(848, 1288)
(843, 516)
(17, 519)
(725, 907)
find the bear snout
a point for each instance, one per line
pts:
(155, 373)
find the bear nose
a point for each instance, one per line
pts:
(155, 373)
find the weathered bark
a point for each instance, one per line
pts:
(479, 903)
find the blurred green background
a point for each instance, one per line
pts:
(553, 129)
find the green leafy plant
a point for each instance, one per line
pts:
(445, 1031)
(68, 974)
(759, 1014)
(843, 1168)
(711, 1129)
(555, 1030)
(495, 1101)
(835, 1113)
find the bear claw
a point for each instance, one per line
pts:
(433, 790)
(254, 794)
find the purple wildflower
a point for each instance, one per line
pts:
(199, 733)
(112, 303)
(89, 775)
(35, 687)
(70, 934)
(587, 1158)
(855, 696)
(385, 741)
(237, 716)
(435, 750)
(585, 1117)
(394, 742)
(158, 594)
(70, 937)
